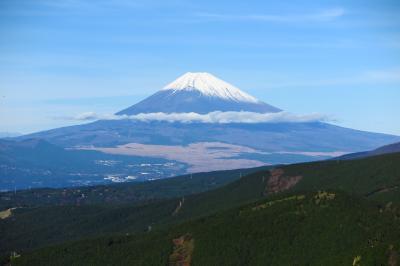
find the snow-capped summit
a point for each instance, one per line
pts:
(199, 93)
(209, 85)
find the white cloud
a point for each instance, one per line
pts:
(324, 15)
(86, 116)
(213, 117)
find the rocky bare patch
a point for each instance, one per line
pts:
(278, 182)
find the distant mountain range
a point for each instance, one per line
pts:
(9, 134)
(201, 145)
(391, 148)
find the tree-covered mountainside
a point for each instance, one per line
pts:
(365, 191)
(315, 228)
(124, 192)
(375, 177)
(32, 227)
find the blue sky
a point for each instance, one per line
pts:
(62, 58)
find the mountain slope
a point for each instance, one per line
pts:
(214, 144)
(391, 148)
(201, 147)
(269, 137)
(375, 179)
(121, 193)
(317, 228)
(200, 93)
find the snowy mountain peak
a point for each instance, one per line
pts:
(209, 85)
(200, 93)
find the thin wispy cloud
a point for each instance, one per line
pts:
(82, 7)
(109, 4)
(104, 5)
(213, 117)
(324, 15)
(388, 75)
(368, 77)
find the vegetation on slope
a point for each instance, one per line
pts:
(318, 228)
(125, 192)
(374, 178)
(33, 227)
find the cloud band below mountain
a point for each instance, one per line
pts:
(213, 117)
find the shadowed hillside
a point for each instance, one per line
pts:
(320, 228)
(374, 178)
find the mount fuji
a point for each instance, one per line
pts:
(199, 93)
(201, 145)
